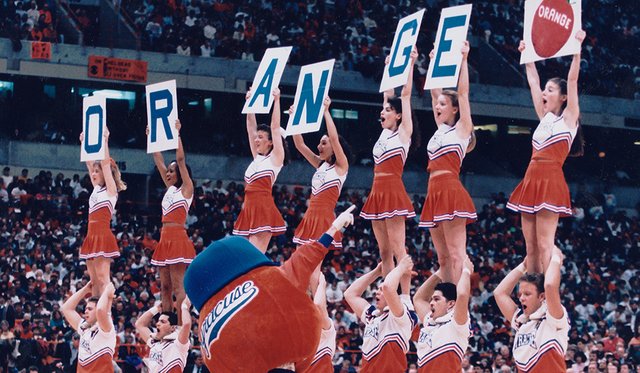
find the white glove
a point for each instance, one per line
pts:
(345, 219)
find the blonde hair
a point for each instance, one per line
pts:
(117, 175)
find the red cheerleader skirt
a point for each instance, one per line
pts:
(259, 214)
(543, 187)
(174, 247)
(100, 242)
(446, 200)
(387, 199)
(315, 222)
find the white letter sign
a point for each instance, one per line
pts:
(266, 79)
(444, 68)
(94, 119)
(162, 112)
(396, 72)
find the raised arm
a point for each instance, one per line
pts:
(103, 309)
(278, 147)
(463, 290)
(423, 296)
(353, 294)
(185, 329)
(435, 93)
(320, 300)
(465, 124)
(158, 160)
(391, 282)
(306, 152)
(187, 183)
(534, 84)
(503, 291)
(342, 163)
(142, 323)
(406, 129)
(572, 111)
(68, 308)
(552, 284)
(252, 128)
(109, 182)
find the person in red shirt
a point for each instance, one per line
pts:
(611, 340)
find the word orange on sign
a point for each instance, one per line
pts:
(117, 69)
(40, 50)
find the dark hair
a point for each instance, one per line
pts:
(93, 299)
(396, 104)
(178, 183)
(536, 279)
(577, 147)
(266, 128)
(173, 317)
(346, 148)
(448, 290)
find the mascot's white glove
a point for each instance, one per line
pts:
(345, 219)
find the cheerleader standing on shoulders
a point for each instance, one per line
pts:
(389, 323)
(444, 310)
(543, 195)
(260, 218)
(100, 245)
(388, 205)
(448, 207)
(175, 250)
(331, 164)
(540, 323)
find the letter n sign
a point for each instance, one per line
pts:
(162, 113)
(94, 119)
(308, 104)
(444, 69)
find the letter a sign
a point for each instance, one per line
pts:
(550, 27)
(308, 104)
(162, 112)
(396, 72)
(94, 119)
(267, 78)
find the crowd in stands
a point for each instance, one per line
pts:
(29, 20)
(43, 221)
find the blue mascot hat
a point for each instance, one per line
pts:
(220, 263)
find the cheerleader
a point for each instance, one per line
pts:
(100, 246)
(388, 205)
(388, 324)
(260, 218)
(331, 164)
(543, 195)
(323, 359)
(169, 345)
(540, 323)
(444, 310)
(448, 207)
(95, 327)
(175, 250)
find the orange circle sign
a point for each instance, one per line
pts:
(552, 26)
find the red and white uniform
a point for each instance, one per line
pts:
(385, 341)
(259, 212)
(100, 241)
(540, 342)
(175, 246)
(326, 186)
(323, 359)
(544, 186)
(96, 349)
(446, 197)
(167, 355)
(442, 344)
(388, 198)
